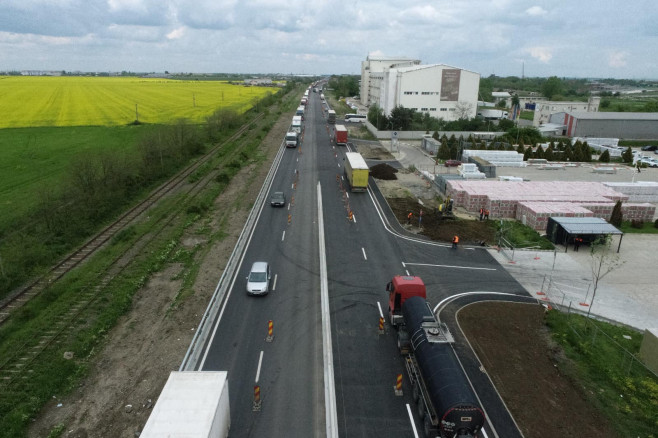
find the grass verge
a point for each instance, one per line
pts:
(521, 236)
(601, 361)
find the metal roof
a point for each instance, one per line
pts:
(586, 225)
(583, 115)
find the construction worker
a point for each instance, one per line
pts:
(576, 243)
(409, 217)
(486, 215)
(481, 213)
(455, 241)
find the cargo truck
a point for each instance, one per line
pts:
(292, 139)
(331, 116)
(491, 114)
(296, 124)
(341, 135)
(446, 404)
(192, 403)
(356, 171)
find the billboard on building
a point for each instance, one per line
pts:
(450, 78)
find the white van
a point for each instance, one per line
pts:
(292, 139)
(355, 118)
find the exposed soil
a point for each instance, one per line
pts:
(528, 370)
(151, 340)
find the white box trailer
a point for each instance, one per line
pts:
(193, 404)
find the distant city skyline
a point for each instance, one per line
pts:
(583, 39)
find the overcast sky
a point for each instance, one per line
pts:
(572, 38)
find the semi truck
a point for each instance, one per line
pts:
(341, 135)
(296, 124)
(446, 403)
(356, 171)
(192, 403)
(292, 139)
(331, 116)
(492, 114)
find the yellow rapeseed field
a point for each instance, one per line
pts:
(31, 101)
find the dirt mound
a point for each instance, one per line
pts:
(383, 171)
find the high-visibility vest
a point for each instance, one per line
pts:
(455, 239)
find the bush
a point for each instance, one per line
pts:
(637, 224)
(655, 223)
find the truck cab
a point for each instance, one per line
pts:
(399, 289)
(292, 139)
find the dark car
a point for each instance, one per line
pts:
(452, 163)
(278, 199)
(650, 147)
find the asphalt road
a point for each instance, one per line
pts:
(362, 255)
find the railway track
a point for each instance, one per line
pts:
(15, 365)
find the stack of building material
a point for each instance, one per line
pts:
(470, 171)
(536, 214)
(497, 158)
(502, 197)
(641, 191)
(639, 212)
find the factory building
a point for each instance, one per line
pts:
(372, 70)
(638, 126)
(544, 110)
(442, 91)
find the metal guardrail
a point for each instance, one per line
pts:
(193, 354)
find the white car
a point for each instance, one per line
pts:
(258, 281)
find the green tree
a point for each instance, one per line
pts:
(548, 154)
(520, 148)
(401, 118)
(539, 153)
(627, 155)
(552, 87)
(527, 154)
(616, 217)
(605, 157)
(377, 118)
(444, 150)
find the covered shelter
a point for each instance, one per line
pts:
(563, 230)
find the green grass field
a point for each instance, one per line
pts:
(33, 159)
(110, 101)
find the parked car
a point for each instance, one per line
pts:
(278, 199)
(258, 281)
(452, 163)
(650, 147)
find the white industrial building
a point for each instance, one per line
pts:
(442, 91)
(372, 70)
(544, 110)
(638, 126)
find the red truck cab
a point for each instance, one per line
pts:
(399, 289)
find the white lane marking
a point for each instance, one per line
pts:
(403, 265)
(365, 257)
(288, 206)
(292, 186)
(484, 433)
(274, 284)
(260, 362)
(411, 420)
(338, 164)
(348, 195)
(327, 350)
(453, 266)
(380, 309)
(353, 218)
(283, 236)
(341, 177)
(407, 271)
(445, 301)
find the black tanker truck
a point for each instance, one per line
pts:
(446, 402)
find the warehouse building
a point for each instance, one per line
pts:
(442, 91)
(544, 110)
(638, 126)
(372, 70)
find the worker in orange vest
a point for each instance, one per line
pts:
(455, 241)
(409, 216)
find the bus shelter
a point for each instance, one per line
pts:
(565, 230)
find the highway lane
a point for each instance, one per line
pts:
(290, 372)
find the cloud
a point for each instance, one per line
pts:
(617, 59)
(536, 11)
(542, 54)
(176, 33)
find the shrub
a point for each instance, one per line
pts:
(655, 223)
(637, 224)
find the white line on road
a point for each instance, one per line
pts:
(274, 284)
(411, 420)
(407, 271)
(365, 257)
(288, 206)
(260, 362)
(338, 164)
(380, 309)
(331, 419)
(403, 265)
(283, 236)
(353, 218)
(348, 195)
(452, 266)
(292, 186)
(341, 177)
